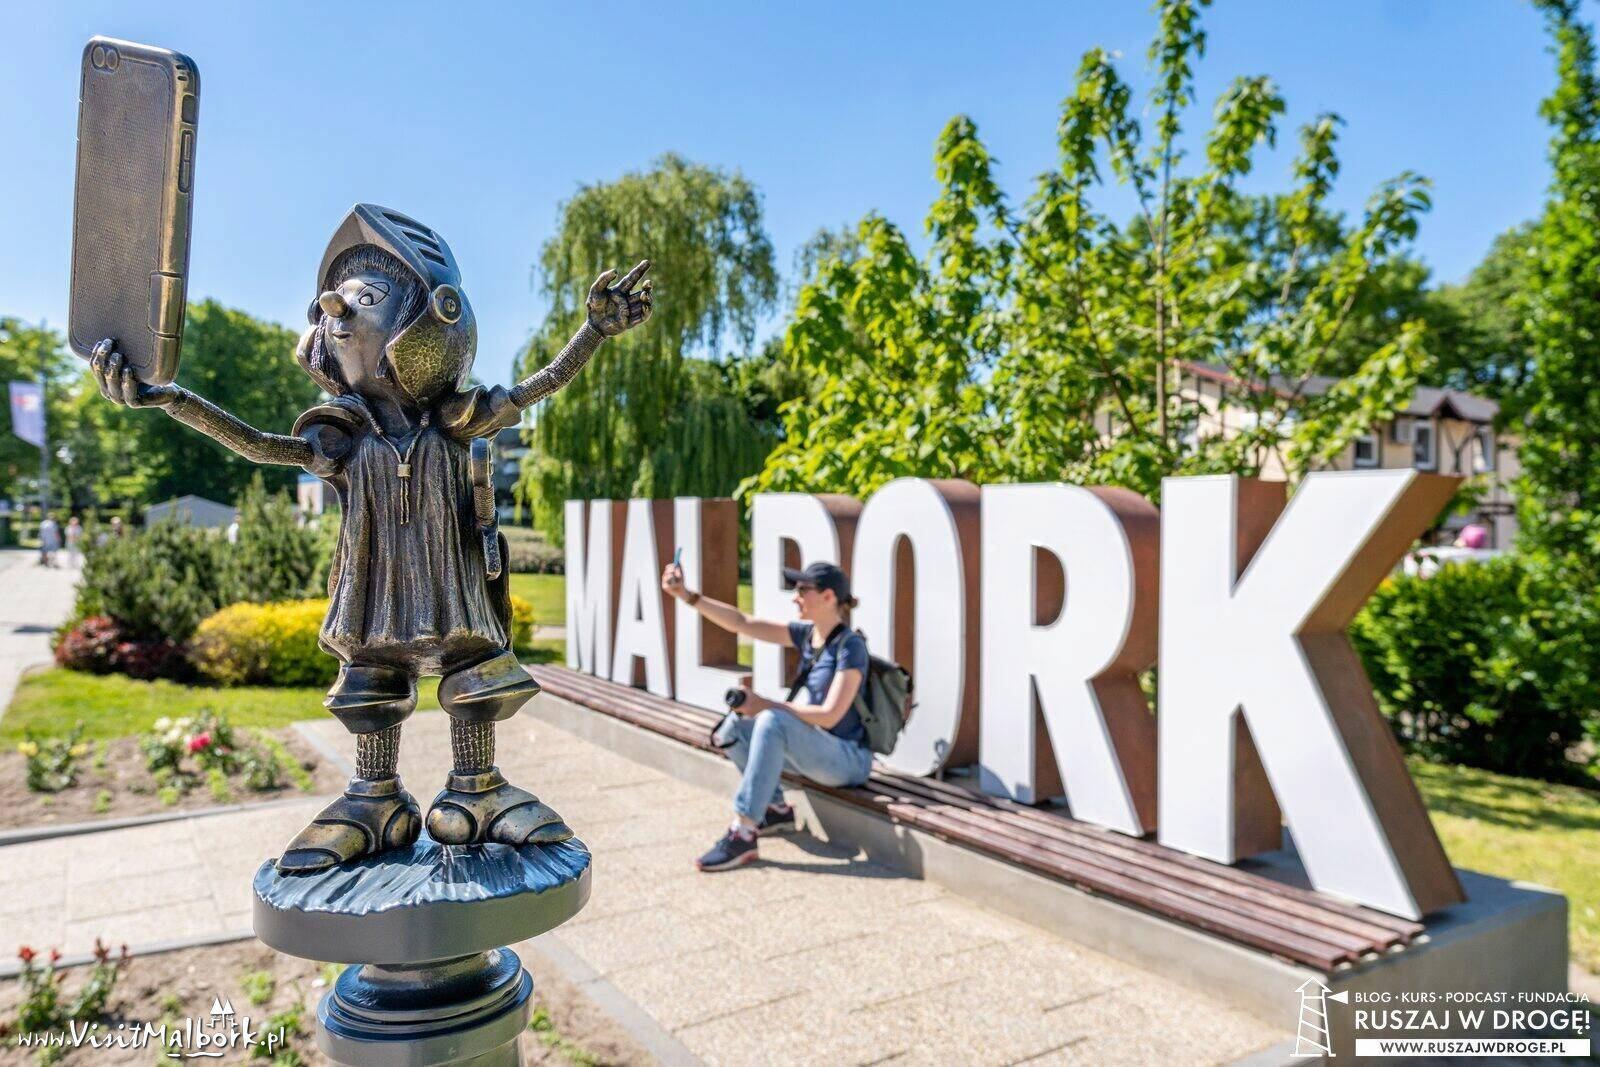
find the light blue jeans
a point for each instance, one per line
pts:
(767, 744)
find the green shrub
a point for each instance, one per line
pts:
(1489, 664)
(157, 584)
(264, 644)
(528, 552)
(275, 558)
(521, 622)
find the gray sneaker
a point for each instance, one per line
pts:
(732, 851)
(777, 821)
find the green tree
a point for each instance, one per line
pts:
(647, 416)
(276, 557)
(1477, 329)
(1047, 340)
(1560, 494)
(239, 362)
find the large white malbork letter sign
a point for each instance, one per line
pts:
(1027, 613)
(1083, 662)
(1253, 634)
(593, 544)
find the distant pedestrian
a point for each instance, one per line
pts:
(49, 541)
(75, 542)
(115, 531)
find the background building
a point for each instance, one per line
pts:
(1446, 431)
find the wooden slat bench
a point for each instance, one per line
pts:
(1238, 905)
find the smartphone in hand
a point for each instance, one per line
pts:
(138, 109)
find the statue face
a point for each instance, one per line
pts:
(370, 308)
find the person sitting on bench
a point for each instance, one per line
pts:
(819, 735)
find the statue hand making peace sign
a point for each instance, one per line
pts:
(614, 309)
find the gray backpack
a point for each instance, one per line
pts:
(883, 702)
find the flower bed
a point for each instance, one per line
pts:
(188, 764)
(279, 994)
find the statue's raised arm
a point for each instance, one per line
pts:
(119, 385)
(613, 309)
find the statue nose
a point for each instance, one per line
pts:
(333, 304)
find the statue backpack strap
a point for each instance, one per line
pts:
(490, 538)
(483, 506)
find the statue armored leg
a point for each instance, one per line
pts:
(477, 804)
(375, 813)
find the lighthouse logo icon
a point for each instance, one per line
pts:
(1311, 1039)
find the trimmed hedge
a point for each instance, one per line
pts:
(528, 552)
(264, 644)
(1492, 664)
(276, 644)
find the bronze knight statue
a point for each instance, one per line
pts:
(417, 586)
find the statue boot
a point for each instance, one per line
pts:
(477, 804)
(375, 813)
(371, 817)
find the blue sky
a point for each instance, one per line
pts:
(479, 120)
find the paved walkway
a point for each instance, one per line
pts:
(33, 602)
(812, 956)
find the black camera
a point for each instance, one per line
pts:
(735, 697)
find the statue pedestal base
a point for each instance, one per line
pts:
(428, 924)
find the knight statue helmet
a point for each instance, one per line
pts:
(431, 355)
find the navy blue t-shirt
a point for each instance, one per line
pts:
(849, 651)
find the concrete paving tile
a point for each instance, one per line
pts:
(605, 807)
(738, 890)
(134, 851)
(121, 894)
(940, 935)
(631, 833)
(949, 909)
(34, 859)
(802, 1029)
(611, 895)
(1065, 973)
(700, 986)
(633, 938)
(41, 927)
(961, 1022)
(144, 927)
(20, 897)
(1157, 1021)
(236, 920)
(668, 859)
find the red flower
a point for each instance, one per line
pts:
(26, 954)
(55, 955)
(199, 741)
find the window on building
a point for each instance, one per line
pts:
(1367, 450)
(1483, 450)
(1400, 430)
(1422, 445)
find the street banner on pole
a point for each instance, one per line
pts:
(27, 412)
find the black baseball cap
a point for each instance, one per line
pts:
(823, 576)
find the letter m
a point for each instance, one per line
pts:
(593, 550)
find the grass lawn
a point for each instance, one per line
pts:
(1523, 829)
(113, 706)
(548, 595)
